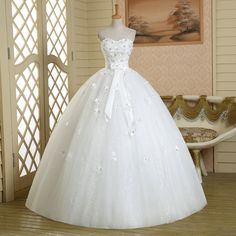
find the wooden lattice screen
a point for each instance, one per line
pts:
(40, 71)
(25, 38)
(57, 46)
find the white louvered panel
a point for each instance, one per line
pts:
(106, 13)
(226, 41)
(226, 50)
(227, 147)
(81, 72)
(94, 47)
(96, 63)
(225, 77)
(82, 22)
(226, 32)
(99, 6)
(228, 157)
(100, 22)
(225, 73)
(82, 56)
(226, 93)
(226, 167)
(225, 4)
(99, 15)
(225, 14)
(79, 43)
(95, 55)
(81, 5)
(80, 13)
(225, 86)
(92, 1)
(221, 23)
(83, 39)
(226, 59)
(93, 38)
(1, 175)
(94, 69)
(82, 63)
(81, 47)
(226, 68)
(88, 17)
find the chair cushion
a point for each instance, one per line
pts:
(197, 134)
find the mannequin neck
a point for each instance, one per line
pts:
(117, 23)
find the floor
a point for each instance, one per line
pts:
(218, 218)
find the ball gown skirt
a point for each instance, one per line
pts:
(116, 158)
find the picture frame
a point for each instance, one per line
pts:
(165, 22)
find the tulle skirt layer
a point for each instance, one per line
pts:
(131, 169)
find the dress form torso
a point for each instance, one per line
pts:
(117, 31)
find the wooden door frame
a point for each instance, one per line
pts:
(213, 4)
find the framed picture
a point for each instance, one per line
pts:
(165, 22)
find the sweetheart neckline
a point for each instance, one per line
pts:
(117, 40)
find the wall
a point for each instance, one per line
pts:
(225, 73)
(188, 65)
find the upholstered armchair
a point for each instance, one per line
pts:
(204, 121)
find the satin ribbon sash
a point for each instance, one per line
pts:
(119, 85)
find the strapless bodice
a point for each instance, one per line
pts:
(117, 52)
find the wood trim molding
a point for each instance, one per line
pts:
(7, 145)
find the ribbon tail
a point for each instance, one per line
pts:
(118, 84)
(118, 74)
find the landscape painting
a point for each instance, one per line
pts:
(165, 21)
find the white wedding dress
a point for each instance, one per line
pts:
(116, 158)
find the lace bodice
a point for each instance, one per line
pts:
(116, 52)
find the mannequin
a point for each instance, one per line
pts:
(117, 30)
